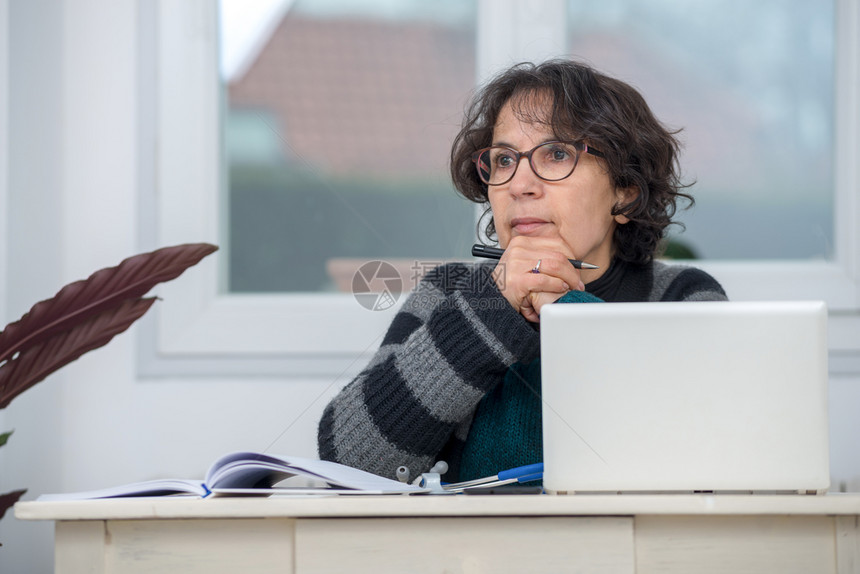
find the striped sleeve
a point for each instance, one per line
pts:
(451, 342)
(682, 283)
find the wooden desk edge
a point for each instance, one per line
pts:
(844, 504)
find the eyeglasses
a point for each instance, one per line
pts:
(550, 161)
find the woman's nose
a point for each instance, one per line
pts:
(525, 182)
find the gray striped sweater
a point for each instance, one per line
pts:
(453, 341)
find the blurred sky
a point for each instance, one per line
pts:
(244, 25)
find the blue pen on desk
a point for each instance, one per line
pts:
(487, 252)
(519, 474)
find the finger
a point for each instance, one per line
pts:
(528, 311)
(541, 283)
(523, 253)
(523, 270)
(516, 286)
(514, 289)
(558, 266)
(538, 300)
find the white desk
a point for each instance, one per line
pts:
(470, 534)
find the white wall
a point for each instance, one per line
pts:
(33, 259)
(72, 208)
(844, 433)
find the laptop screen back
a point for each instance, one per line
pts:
(680, 397)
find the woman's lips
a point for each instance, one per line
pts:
(527, 225)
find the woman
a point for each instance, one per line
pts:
(573, 165)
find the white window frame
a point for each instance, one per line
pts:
(199, 329)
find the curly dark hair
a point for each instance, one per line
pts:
(589, 106)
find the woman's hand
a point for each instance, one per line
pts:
(528, 291)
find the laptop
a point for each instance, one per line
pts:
(685, 397)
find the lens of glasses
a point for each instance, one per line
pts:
(551, 161)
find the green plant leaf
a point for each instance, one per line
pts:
(4, 438)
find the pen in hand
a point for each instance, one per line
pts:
(479, 250)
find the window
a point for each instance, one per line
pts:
(338, 121)
(751, 85)
(207, 324)
(313, 183)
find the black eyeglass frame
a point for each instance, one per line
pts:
(579, 146)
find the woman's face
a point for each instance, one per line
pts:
(576, 210)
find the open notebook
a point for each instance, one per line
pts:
(685, 397)
(244, 473)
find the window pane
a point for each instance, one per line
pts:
(338, 122)
(751, 84)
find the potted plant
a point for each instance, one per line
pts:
(82, 316)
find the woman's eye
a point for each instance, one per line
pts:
(504, 161)
(559, 154)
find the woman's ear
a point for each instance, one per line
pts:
(626, 196)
